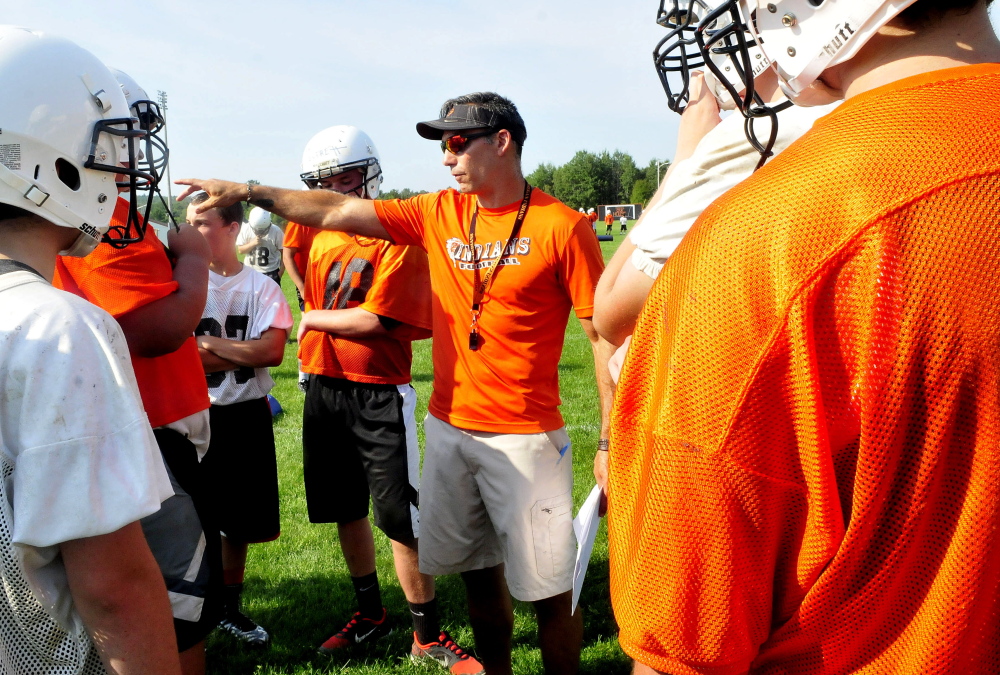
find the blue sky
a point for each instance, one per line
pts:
(250, 82)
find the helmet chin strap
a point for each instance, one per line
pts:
(89, 236)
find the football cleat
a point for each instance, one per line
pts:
(447, 654)
(359, 630)
(244, 629)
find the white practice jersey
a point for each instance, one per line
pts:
(266, 255)
(721, 160)
(242, 307)
(78, 459)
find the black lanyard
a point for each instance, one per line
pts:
(479, 287)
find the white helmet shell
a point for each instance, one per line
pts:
(338, 149)
(805, 37)
(260, 221)
(55, 93)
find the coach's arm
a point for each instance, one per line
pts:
(603, 351)
(320, 209)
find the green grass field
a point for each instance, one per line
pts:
(298, 586)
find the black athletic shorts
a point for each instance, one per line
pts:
(355, 446)
(275, 275)
(242, 471)
(190, 561)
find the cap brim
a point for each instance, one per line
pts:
(434, 129)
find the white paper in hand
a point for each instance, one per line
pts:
(585, 527)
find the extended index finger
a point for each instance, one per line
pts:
(194, 185)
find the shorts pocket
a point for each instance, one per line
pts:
(552, 535)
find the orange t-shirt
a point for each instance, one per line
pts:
(806, 436)
(119, 281)
(608, 218)
(511, 383)
(299, 237)
(592, 217)
(391, 281)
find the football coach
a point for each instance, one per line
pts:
(507, 264)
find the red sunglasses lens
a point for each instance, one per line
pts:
(454, 145)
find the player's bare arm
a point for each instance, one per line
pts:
(247, 247)
(321, 209)
(620, 295)
(353, 323)
(118, 589)
(266, 352)
(162, 326)
(294, 273)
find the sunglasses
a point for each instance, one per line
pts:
(458, 142)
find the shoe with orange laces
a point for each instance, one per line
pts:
(357, 631)
(448, 654)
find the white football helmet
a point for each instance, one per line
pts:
(153, 156)
(339, 149)
(678, 54)
(805, 37)
(66, 131)
(260, 221)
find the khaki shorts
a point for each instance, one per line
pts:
(487, 499)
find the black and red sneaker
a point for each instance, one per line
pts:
(358, 630)
(446, 653)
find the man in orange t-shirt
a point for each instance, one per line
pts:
(507, 264)
(608, 220)
(366, 300)
(803, 465)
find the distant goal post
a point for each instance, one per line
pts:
(630, 211)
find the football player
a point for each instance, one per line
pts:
(366, 300)
(79, 459)
(158, 304)
(712, 154)
(242, 332)
(807, 428)
(260, 241)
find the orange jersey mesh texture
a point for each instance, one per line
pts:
(379, 277)
(172, 386)
(805, 454)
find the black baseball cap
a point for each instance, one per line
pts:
(460, 117)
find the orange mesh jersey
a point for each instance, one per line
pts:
(511, 384)
(299, 237)
(391, 281)
(805, 456)
(172, 386)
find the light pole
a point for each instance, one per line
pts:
(161, 97)
(658, 165)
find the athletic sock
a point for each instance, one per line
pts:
(369, 595)
(425, 620)
(231, 595)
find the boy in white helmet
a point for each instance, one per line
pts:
(712, 156)
(366, 300)
(79, 459)
(807, 427)
(260, 241)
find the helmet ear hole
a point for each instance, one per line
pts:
(38, 169)
(68, 174)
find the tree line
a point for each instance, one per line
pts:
(587, 180)
(591, 179)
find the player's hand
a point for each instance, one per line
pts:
(187, 241)
(601, 476)
(207, 342)
(221, 193)
(303, 327)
